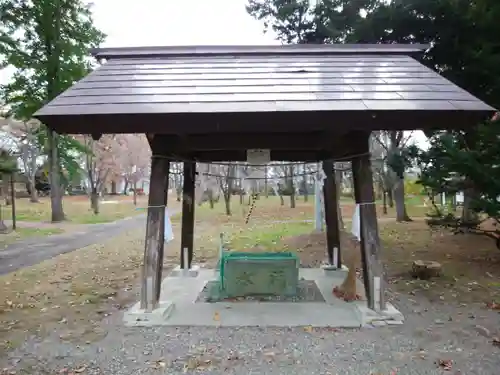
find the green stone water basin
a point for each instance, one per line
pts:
(245, 274)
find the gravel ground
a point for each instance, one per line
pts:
(462, 334)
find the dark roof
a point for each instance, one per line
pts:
(226, 88)
(289, 49)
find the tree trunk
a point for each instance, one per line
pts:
(266, 188)
(55, 179)
(113, 187)
(468, 215)
(453, 202)
(282, 201)
(304, 184)
(338, 185)
(390, 198)
(292, 187)
(125, 188)
(135, 193)
(33, 192)
(227, 203)
(178, 192)
(399, 197)
(211, 198)
(94, 201)
(5, 190)
(3, 227)
(384, 202)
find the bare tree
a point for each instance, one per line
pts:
(23, 142)
(225, 177)
(132, 159)
(29, 151)
(99, 163)
(392, 143)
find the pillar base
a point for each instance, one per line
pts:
(180, 272)
(139, 317)
(331, 267)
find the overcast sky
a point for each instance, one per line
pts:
(177, 22)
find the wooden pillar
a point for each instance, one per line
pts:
(331, 215)
(155, 231)
(187, 234)
(370, 241)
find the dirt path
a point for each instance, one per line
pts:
(35, 250)
(68, 227)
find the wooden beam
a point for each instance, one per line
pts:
(281, 155)
(155, 230)
(188, 203)
(370, 241)
(331, 215)
(272, 121)
(245, 141)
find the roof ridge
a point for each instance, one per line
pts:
(254, 50)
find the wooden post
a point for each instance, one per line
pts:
(370, 241)
(13, 198)
(331, 215)
(187, 234)
(155, 232)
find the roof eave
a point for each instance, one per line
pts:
(263, 50)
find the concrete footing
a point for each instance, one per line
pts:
(390, 316)
(330, 267)
(139, 317)
(183, 310)
(181, 272)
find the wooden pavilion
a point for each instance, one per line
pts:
(303, 102)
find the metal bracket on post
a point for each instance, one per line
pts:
(185, 271)
(185, 257)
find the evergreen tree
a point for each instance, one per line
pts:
(47, 41)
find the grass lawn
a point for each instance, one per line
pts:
(77, 209)
(23, 233)
(70, 294)
(269, 221)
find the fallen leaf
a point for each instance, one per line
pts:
(308, 329)
(81, 369)
(493, 306)
(191, 364)
(446, 364)
(160, 364)
(216, 316)
(496, 341)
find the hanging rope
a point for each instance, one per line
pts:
(270, 165)
(252, 206)
(244, 177)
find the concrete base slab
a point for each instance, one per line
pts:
(139, 317)
(390, 315)
(180, 272)
(182, 293)
(330, 267)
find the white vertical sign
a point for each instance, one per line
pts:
(356, 225)
(258, 156)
